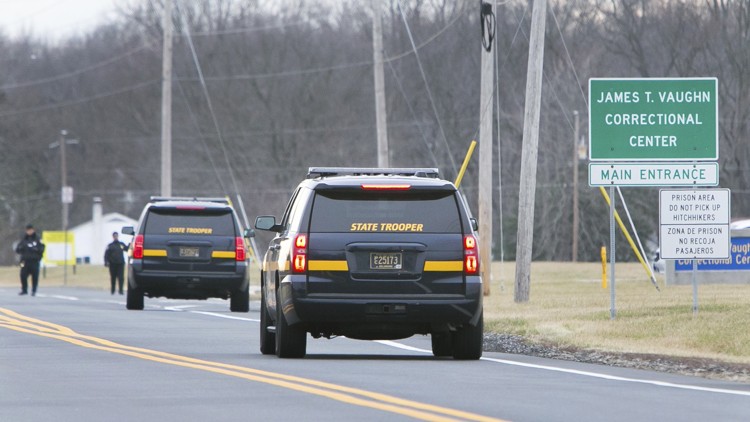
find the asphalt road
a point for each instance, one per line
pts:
(78, 355)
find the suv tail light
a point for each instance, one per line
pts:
(239, 249)
(138, 247)
(299, 254)
(471, 257)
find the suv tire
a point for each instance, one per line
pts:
(267, 339)
(135, 299)
(442, 344)
(291, 340)
(239, 300)
(468, 341)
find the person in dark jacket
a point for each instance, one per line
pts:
(31, 250)
(115, 260)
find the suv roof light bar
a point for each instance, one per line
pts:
(189, 198)
(314, 172)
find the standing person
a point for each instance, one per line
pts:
(31, 250)
(114, 259)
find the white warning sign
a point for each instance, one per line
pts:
(694, 224)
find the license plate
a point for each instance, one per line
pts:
(386, 261)
(189, 252)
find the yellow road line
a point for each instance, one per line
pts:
(336, 392)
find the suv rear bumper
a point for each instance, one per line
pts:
(188, 284)
(434, 309)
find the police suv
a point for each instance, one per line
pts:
(188, 248)
(372, 254)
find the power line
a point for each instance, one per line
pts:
(80, 100)
(194, 120)
(215, 78)
(413, 114)
(103, 63)
(570, 59)
(245, 30)
(427, 87)
(208, 100)
(342, 66)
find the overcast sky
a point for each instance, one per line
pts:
(53, 19)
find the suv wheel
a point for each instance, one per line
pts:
(267, 339)
(239, 301)
(467, 341)
(134, 300)
(291, 340)
(442, 344)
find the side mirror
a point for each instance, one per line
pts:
(128, 230)
(266, 222)
(249, 233)
(474, 224)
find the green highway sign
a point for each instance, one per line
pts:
(653, 119)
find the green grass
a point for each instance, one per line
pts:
(569, 307)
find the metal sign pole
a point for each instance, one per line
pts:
(612, 310)
(695, 287)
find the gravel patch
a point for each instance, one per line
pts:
(706, 368)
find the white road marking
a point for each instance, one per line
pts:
(179, 308)
(585, 373)
(58, 296)
(224, 316)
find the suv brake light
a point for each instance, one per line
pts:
(239, 249)
(138, 247)
(386, 187)
(299, 254)
(471, 257)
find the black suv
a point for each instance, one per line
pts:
(372, 254)
(188, 248)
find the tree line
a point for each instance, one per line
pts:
(291, 86)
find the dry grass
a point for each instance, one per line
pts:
(569, 307)
(89, 276)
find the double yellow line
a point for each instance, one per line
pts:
(354, 396)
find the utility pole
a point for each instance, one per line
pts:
(166, 102)
(380, 112)
(527, 190)
(575, 186)
(485, 152)
(64, 181)
(66, 194)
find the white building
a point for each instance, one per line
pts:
(92, 237)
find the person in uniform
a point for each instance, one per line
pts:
(31, 250)
(115, 260)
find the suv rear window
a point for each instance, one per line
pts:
(417, 212)
(190, 222)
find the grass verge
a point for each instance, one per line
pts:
(569, 307)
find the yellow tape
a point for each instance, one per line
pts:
(443, 266)
(318, 265)
(154, 252)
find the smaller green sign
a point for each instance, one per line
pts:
(653, 119)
